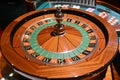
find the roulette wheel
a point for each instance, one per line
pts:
(53, 44)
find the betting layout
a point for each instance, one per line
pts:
(102, 10)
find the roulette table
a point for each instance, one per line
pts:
(81, 47)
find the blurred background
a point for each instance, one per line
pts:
(11, 9)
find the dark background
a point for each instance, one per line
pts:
(11, 9)
(113, 2)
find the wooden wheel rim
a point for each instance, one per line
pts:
(46, 71)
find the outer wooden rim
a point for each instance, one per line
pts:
(47, 71)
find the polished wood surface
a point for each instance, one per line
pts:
(32, 67)
(72, 36)
(115, 73)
